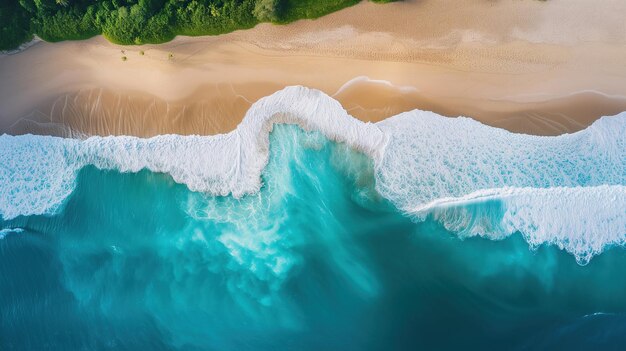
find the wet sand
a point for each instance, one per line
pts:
(528, 66)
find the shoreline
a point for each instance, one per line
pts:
(104, 112)
(503, 69)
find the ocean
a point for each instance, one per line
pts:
(305, 229)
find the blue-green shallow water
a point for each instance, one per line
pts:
(315, 261)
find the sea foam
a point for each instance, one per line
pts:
(7, 231)
(566, 190)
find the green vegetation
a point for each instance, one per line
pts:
(14, 25)
(295, 9)
(147, 21)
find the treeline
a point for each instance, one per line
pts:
(147, 21)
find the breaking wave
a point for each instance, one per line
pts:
(568, 191)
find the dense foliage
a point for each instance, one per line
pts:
(14, 24)
(147, 21)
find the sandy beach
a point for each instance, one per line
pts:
(507, 63)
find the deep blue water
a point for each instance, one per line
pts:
(317, 260)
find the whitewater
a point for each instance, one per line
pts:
(568, 191)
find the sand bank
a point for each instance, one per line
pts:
(527, 66)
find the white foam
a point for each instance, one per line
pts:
(365, 79)
(37, 173)
(566, 190)
(430, 157)
(581, 220)
(7, 231)
(421, 160)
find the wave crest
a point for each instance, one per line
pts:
(583, 221)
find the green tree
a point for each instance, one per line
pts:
(14, 25)
(28, 5)
(44, 6)
(266, 10)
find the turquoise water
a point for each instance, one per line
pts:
(316, 260)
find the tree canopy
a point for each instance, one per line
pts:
(146, 21)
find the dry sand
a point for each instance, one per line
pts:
(524, 65)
